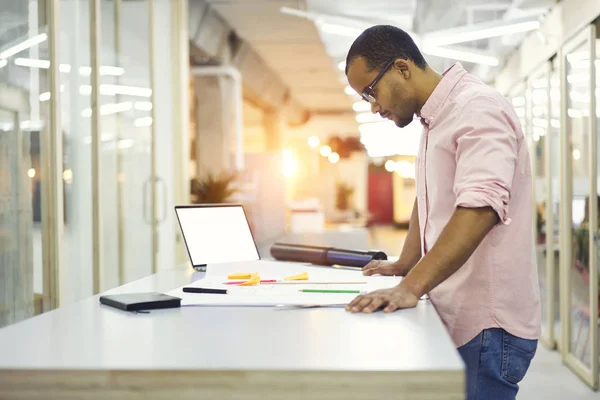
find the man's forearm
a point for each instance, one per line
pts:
(457, 242)
(411, 251)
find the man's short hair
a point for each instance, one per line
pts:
(379, 44)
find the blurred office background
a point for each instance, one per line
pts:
(113, 111)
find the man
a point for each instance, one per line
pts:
(470, 243)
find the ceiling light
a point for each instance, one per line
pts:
(3, 63)
(390, 165)
(452, 36)
(112, 71)
(142, 122)
(313, 141)
(143, 105)
(340, 30)
(572, 113)
(333, 158)
(342, 65)
(325, 151)
(576, 154)
(32, 63)
(24, 45)
(113, 90)
(66, 68)
(461, 55)
(349, 91)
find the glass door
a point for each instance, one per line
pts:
(580, 227)
(16, 221)
(539, 112)
(553, 209)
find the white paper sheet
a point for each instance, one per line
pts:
(283, 295)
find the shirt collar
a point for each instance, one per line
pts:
(436, 100)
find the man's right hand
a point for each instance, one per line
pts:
(383, 267)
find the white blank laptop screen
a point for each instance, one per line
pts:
(217, 234)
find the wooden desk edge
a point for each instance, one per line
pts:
(237, 385)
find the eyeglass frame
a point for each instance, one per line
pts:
(368, 93)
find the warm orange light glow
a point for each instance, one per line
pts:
(290, 165)
(325, 151)
(313, 141)
(334, 158)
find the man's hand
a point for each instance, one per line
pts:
(383, 267)
(391, 299)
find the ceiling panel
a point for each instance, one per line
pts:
(325, 101)
(291, 46)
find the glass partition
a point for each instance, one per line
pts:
(553, 209)
(24, 70)
(539, 126)
(581, 206)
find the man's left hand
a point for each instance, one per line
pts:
(388, 299)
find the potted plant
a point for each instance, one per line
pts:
(213, 188)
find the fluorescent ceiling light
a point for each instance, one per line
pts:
(141, 122)
(361, 106)
(109, 109)
(342, 65)
(143, 105)
(111, 71)
(24, 45)
(451, 36)
(3, 63)
(340, 30)
(32, 63)
(114, 108)
(572, 113)
(85, 71)
(46, 95)
(349, 91)
(66, 68)
(112, 90)
(32, 125)
(462, 55)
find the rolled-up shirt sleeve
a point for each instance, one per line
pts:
(486, 154)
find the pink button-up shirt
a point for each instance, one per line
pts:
(473, 154)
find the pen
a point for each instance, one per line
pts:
(329, 291)
(201, 290)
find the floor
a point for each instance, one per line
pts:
(547, 378)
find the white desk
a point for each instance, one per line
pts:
(87, 350)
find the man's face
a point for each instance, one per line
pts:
(394, 92)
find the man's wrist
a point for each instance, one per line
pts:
(402, 267)
(410, 284)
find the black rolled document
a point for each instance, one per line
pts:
(324, 255)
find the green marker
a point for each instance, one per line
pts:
(329, 291)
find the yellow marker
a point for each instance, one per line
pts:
(254, 280)
(242, 275)
(300, 277)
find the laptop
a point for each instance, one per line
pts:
(216, 233)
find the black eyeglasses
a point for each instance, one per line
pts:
(368, 93)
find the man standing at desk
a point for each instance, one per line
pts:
(470, 243)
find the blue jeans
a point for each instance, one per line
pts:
(496, 362)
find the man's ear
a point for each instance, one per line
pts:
(402, 66)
